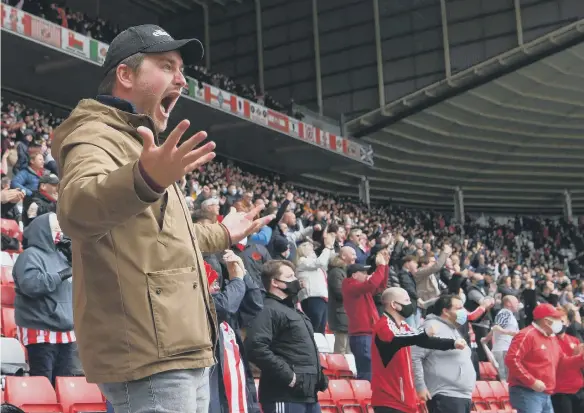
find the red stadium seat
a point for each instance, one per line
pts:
(6, 275)
(362, 392)
(8, 324)
(7, 295)
(338, 365)
(487, 371)
(10, 227)
(32, 394)
(76, 395)
(501, 394)
(486, 391)
(324, 364)
(326, 402)
(343, 397)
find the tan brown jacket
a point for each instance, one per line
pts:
(140, 296)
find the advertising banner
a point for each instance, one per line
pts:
(45, 32)
(219, 98)
(16, 20)
(75, 43)
(258, 113)
(242, 107)
(278, 121)
(196, 89)
(97, 51)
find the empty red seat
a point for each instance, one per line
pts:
(7, 295)
(362, 392)
(32, 394)
(487, 371)
(501, 394)
(343, 397)
(326, 402)
(10, 227)
(483, 397)
(76, 395)
(8, 324)
(6, 275)
(338, 365)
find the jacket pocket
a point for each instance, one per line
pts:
(305, 386)
(179, 312)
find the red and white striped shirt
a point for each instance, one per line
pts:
(31, 336)
(233, 372)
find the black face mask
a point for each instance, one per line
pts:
(406, 310)
(292, 287)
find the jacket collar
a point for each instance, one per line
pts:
(538, 328)
(117, 103)
(286, 301)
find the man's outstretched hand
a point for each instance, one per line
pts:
(167, 163)
(241, 224)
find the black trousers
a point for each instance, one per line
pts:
(53, 360)
(568, 403)
(446, 404)
(381, 409)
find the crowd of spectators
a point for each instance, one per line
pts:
(99, 29)
(495, 266)
(59, 13)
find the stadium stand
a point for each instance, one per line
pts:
(352, 395)
(520, 254)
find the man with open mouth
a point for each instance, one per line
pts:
(144, 319)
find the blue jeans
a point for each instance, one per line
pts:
(525, 400)
(175, 391)
(361, 349)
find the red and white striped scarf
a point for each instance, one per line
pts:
(31, 336)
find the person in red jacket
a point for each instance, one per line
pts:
(568, 395)
(358, 290)
(392, 381)
(533, 360)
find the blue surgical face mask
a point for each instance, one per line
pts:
(461, 316)
(481, 283)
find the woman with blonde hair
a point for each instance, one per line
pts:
(311, 270)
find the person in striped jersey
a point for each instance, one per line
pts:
(237, 301)
(43, 304)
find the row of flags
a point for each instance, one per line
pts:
(278, 121)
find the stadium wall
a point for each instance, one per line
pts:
(411, 44)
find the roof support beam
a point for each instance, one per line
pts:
(518, 22)
(445, 39)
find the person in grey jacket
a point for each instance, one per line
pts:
(43, 304)
(445, 379)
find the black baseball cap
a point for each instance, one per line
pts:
(149, 38)
(353, 268)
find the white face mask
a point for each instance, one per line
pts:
(557, 326)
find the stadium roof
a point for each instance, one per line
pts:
(513, 144)
(179, 6)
